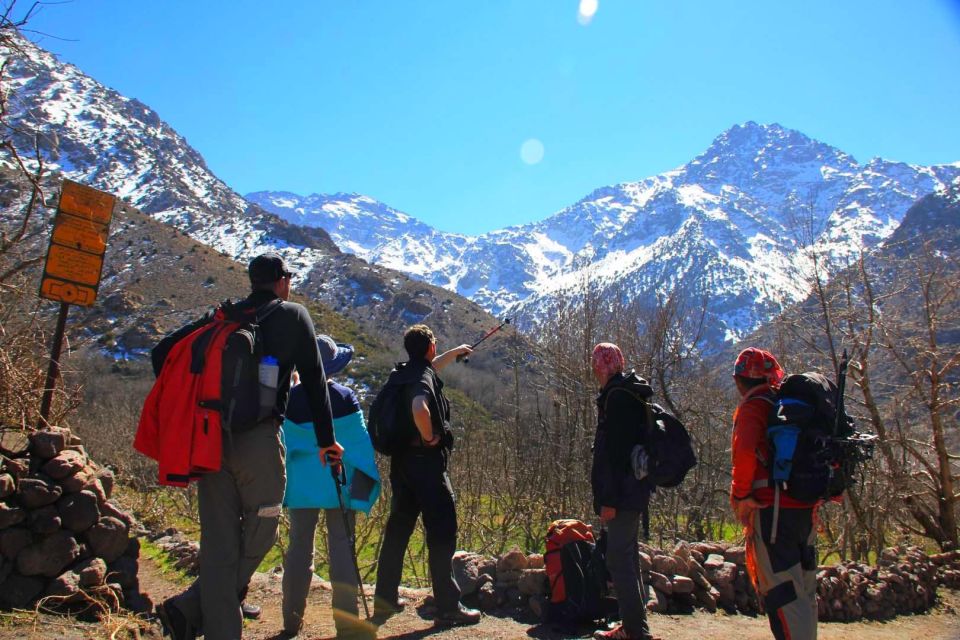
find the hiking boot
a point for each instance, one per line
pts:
(250, 611)
(459, 616)
(384, 610)
(619, 633)
(173, 622)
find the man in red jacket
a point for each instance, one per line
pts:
(781, 551)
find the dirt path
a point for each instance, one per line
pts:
(943, 623)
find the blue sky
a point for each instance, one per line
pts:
(426, 105)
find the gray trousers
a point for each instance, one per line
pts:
(623, 563)
(298, 568)
(239, 516)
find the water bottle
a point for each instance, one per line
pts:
(269, 377)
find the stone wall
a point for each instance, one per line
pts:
(712, 576)
(63, 543)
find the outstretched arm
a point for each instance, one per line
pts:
(447, 357)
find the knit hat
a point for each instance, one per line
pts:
(267, 268)
(607, 360)
(759, 365)
(335, 356)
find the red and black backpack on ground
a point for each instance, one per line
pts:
(576, 568)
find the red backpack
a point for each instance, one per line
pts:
(208, 383)
(577, 572)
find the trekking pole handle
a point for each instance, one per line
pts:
(337, 470)
(466, 358)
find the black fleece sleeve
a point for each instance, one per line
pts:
(624, 417)
(314, 381)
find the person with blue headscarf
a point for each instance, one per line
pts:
(310, 488)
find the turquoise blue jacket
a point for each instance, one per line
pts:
(309, 484)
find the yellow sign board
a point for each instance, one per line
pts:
(77, 244)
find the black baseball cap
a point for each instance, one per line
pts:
(267, 268)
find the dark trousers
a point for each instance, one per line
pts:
(421, 485)
(623, 562)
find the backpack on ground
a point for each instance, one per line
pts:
(667, 455)
(389, 421)
(806, 431)
(577, 573)
(208, 383)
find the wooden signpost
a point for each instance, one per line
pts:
(71, 274)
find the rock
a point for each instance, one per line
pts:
(17, 467)
(19, 591)
(93, 572)
(682, 550)
(7, 485)
(107, 538)
(508, 578)
(513, 560)
(107, 480)
(659, 602)
(110, 509)
(66, 463)
(44, 520)
(487, 597)
(682, 584)
(63, 590)
(666, 565)
(48, 442)
(726, 574)
(138, 602)
(78, 511)
(707, 599)
(465, 571)
(533, 582)
(535, 561)
(736, 555)
(124, 571)
(37, 492)
(96, 487)
(713, 561)
(13, 443)
(661, 582)
(11, 515)
(76, 482)
(13, 541)
(50, 556)
(646, 563)
(488, 566)
(540, 606)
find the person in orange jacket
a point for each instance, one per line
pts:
(780, 532)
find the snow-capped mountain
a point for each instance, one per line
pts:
(740, 222)
(92, 134)
(736, 224)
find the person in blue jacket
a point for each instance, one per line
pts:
(310, 488)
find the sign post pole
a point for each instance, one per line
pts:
(53, 371)
(71, 274)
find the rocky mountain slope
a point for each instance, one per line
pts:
(738, 224)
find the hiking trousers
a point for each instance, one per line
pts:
(298, 568)
(787, 571)
(420, 485)
(623, 563)
(239, 516)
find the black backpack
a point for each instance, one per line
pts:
(668, 444)
(584, 576)
(669, 447)
(389, 421)
(808, 453)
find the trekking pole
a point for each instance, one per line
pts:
(466, 358)
(339, 474)
(841, 388)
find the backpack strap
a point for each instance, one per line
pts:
(264, 311)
